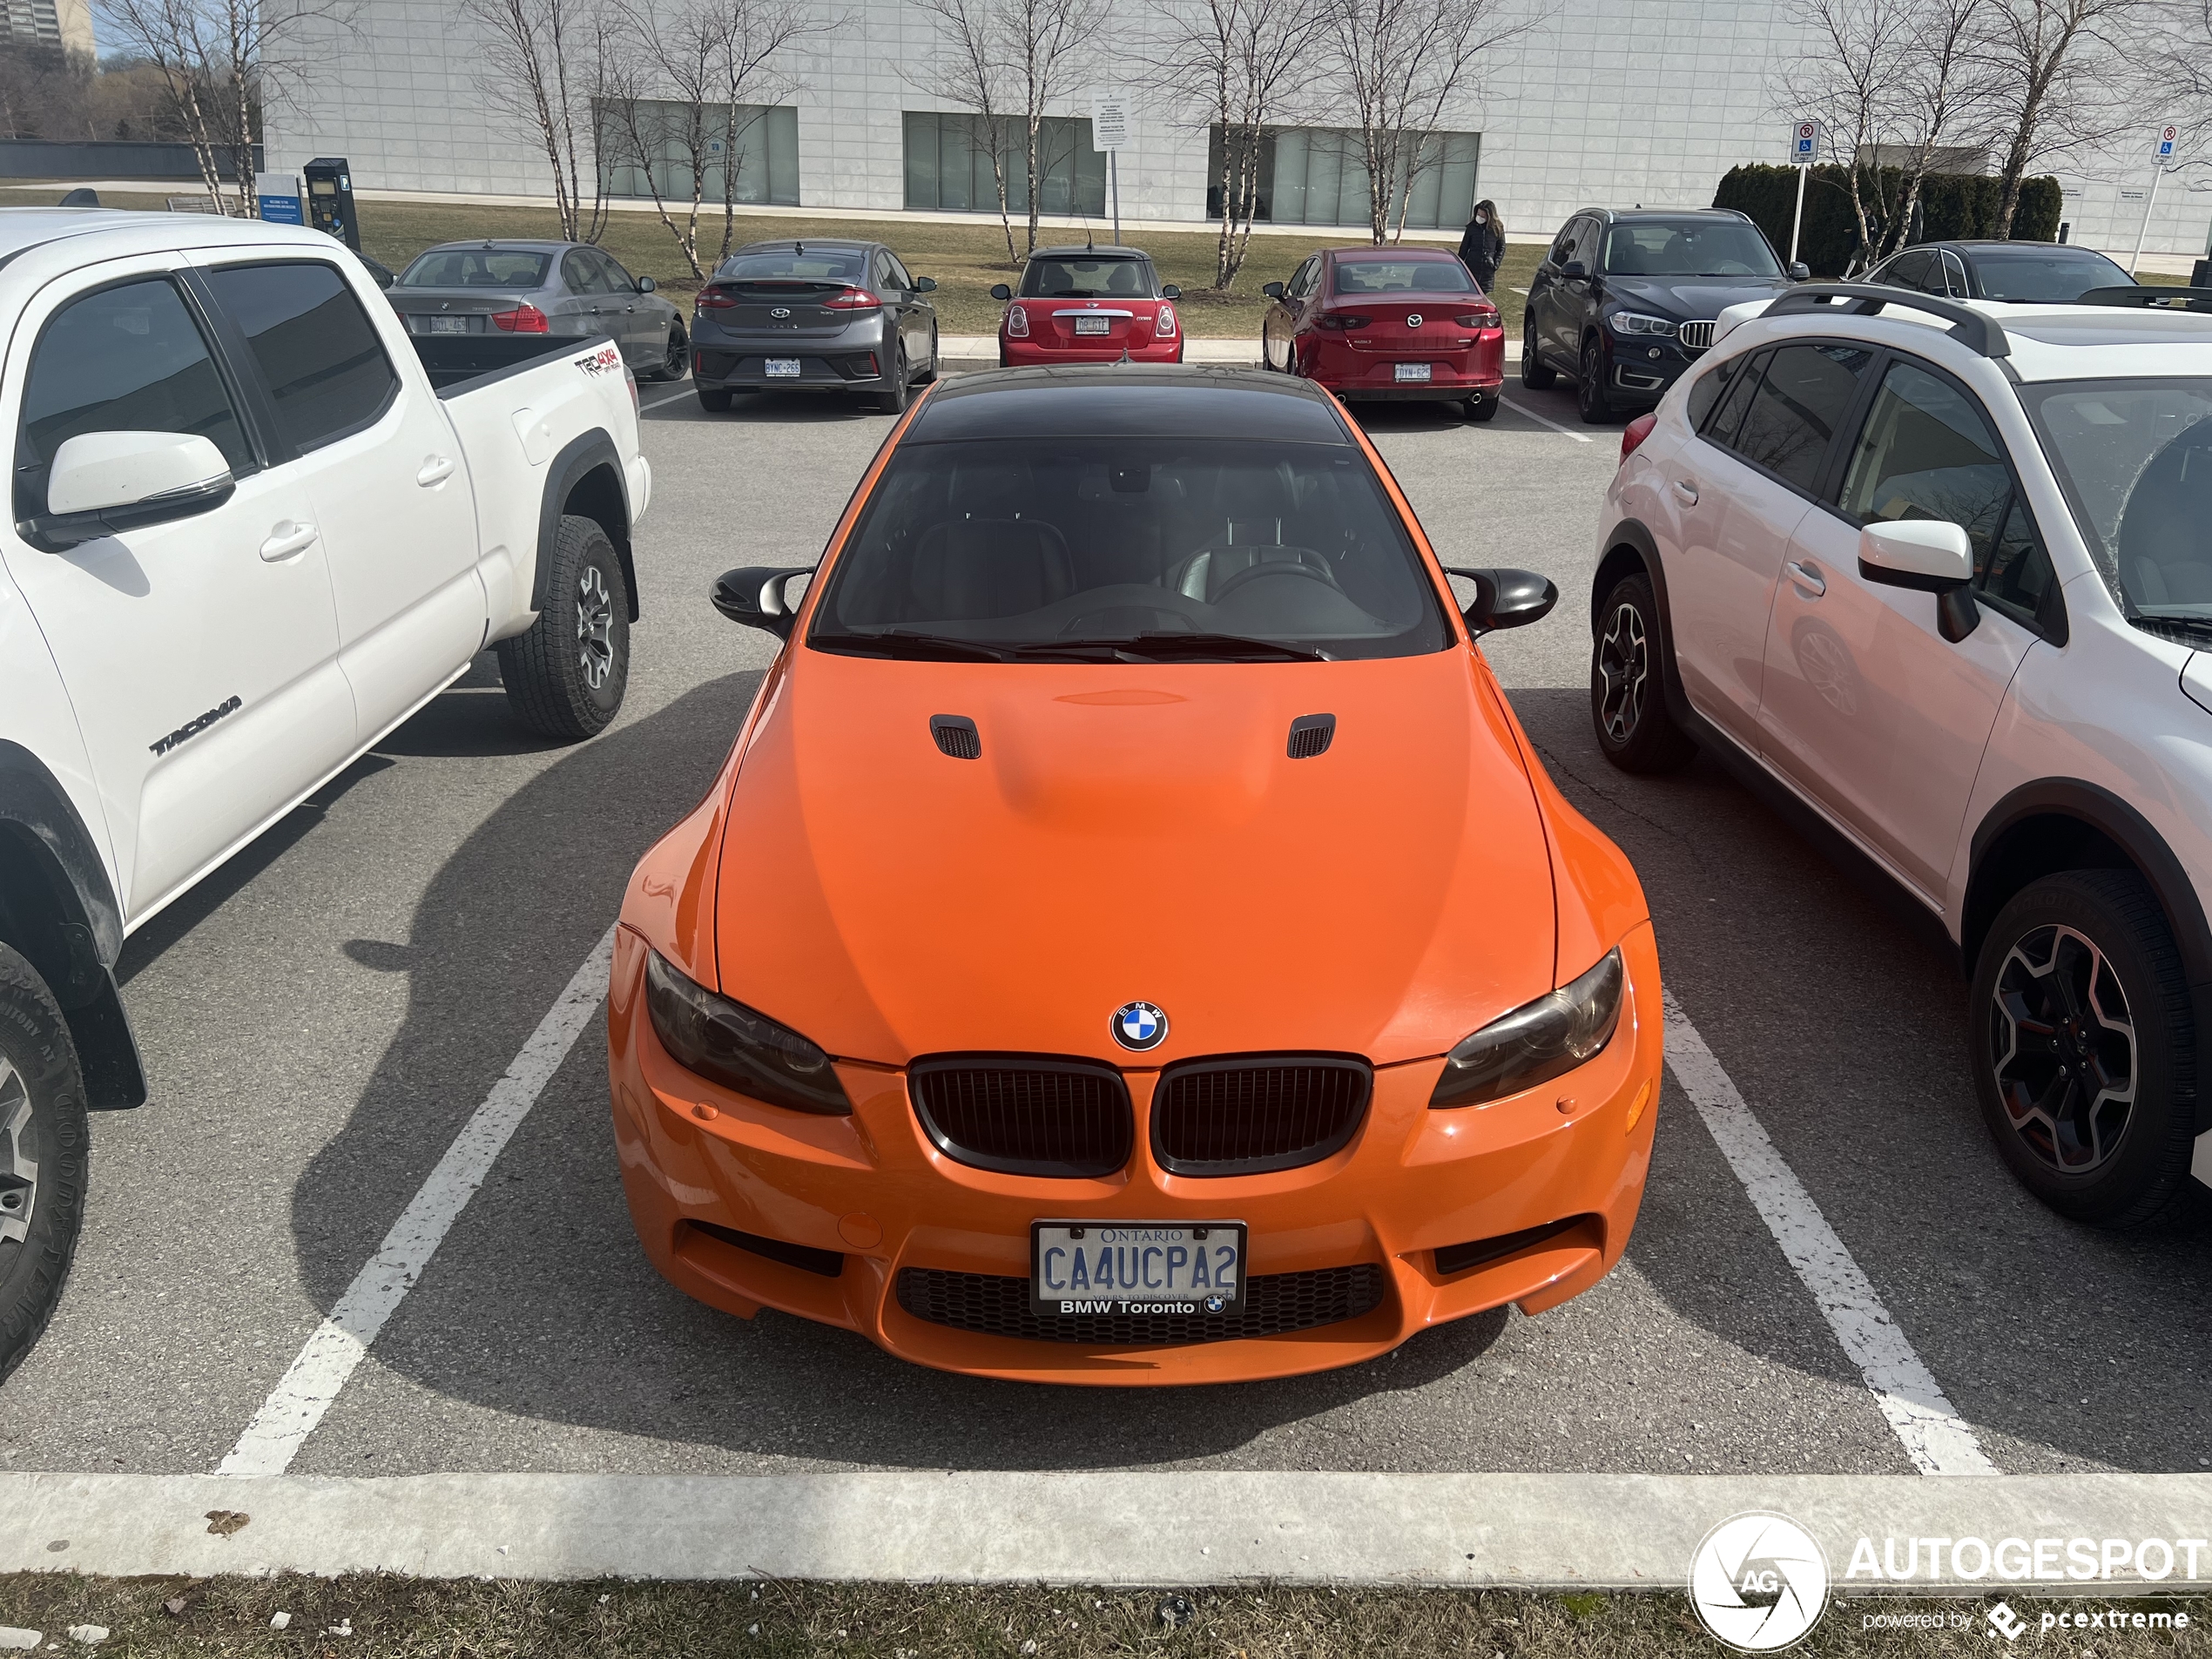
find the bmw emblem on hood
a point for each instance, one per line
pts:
(1139, 1026)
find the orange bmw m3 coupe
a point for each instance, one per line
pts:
(1131, 939)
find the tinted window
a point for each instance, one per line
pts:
(1689, 247)
(1909, 270)
(577, 272)
(1302, 282)
(1050, 543)
(2017, 573)
(1563, 244)
(1403, 276)
(1926, 452)
(1729, 415)
(128, 359)
(326, 369)
(1802, 398)
(477, 269)
(1951, 280)
(1085, 276)
(1705, 391)
(801, 265)
(2024, 276)
(610, 273)
(900, 278)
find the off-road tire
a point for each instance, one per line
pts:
(715, 399)
(1635, 730)
(2142, 1175)
(1534, 374)
(550, 685)
(41, 1126)
(1484, 408)
(1590, 396)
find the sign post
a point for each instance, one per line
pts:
(1804, 149)
(1109, 112)
(2169, 139)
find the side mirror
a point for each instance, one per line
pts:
(755, 596)
(1573, 269)
(1272, 290)
(1800, 272)
(1168, 291)
(1928, 556)
(105, 483)
(1000, 291)
(1506, 598)
(928, 285)
(646, 285)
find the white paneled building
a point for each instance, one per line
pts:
(1609, 102)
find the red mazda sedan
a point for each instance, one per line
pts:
(1388, 322)
(1089, 304)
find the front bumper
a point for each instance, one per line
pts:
(867, 1197)
(1638, 370)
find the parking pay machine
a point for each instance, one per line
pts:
(330, 200)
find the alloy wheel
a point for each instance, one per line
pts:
(1624, 660)
(19, 1175)
(2065, 1047)
(678, 349)
(594, 627)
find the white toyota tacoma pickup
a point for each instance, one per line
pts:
(255, 525)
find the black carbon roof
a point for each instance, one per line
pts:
(1111, 400)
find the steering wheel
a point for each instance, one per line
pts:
(1276, 567)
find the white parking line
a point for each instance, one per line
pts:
(1568, 432)
(662, 403)
(339, 1342)
(1934, 1435)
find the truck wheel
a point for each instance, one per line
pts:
(45, 1151)
(715, 399)
(565, 676)
(2083, 1048)
(1627, 696)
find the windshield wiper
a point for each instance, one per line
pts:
(1227, 648)
(2178, 621)
(912, 647)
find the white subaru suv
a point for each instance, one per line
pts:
(1939, 575)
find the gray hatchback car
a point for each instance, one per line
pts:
(809, 316)
(558, 289)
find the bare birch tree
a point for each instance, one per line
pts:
(1399, 67)
(544, 64)
(1245, 65)
(2062, 69)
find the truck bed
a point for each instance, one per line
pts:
(457, 363)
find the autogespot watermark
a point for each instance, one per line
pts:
(1760, 1583)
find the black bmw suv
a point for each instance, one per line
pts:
(1625, 301)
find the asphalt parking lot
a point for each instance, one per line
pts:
(322, 1016)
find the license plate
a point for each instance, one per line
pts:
(1136, 1267)
(1413, 371)
(783, 369)
(1094, 325)
(448, 325)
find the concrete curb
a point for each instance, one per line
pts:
(1529, 1531)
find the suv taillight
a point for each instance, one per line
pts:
(525, 318)
(1017, 323)
(1165, 329)
(1636, 431)
(851, 299)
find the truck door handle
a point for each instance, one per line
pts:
(287, 537)
(1686, 491)
(1807, 577)
(436, 470)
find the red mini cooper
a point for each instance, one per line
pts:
(1089, 304)
(1388, 322)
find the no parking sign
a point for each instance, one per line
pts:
(1804, 143)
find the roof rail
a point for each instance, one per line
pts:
(1971, 328)
(2161, 298)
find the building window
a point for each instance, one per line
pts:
(648, 144)
(948, 165)
(1314, 176)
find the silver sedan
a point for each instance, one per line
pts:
(558, 289)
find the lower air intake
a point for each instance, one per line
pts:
(1274, 1304)
(1480, 1253)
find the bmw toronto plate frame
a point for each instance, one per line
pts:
(1136, 1267)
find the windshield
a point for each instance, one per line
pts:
(1139, 548)
(2134, 458)
(1084, 277)
(1403, 276)
(1682, 247)
(789, 264)
(477, 267)
(2026, 275)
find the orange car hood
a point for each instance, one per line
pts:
(1133, 833)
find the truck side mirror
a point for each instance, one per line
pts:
(1506, 598)
(755, 594)
(105, 483)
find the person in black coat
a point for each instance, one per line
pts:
(1484, 246)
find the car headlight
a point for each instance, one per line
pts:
(1636, 322)
(1539, 1040)
(728, 1043)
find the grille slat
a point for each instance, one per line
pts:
(1696, 337)
(1249, 1113)
(1024, 1114)
(1274, 1304)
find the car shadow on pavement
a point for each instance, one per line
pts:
(1843, 1024)
(779, 408)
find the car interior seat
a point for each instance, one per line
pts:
(986, 557)
(2165, 540)
(1123, 279)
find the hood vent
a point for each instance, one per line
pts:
(957, 736)
(1309, 735)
